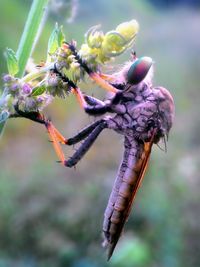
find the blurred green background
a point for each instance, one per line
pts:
(52, 216)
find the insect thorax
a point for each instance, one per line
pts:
(138, 114)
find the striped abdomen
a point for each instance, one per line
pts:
(129, 176)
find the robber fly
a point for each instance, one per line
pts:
(143, 114)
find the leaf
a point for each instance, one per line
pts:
(2, 125)
(4, 116)
(12, 62)
(56, 39)
(38, 90)
(53, 40)
(32, 30)
(61, 36)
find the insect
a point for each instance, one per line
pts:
(143, 114)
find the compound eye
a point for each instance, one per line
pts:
(139, 70)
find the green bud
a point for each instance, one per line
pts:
(90, 55)
(85, 50)
(71, 59)
(113, 43)
(128, 29)
(93, 37)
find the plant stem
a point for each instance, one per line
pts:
(31, 32)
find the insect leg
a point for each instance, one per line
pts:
(82, 134)
(92, 101)
(101, 107)
(75, 139)
(98, 110)
(93, 75)
(96, 107)
(92, 131)
(72, 161)
(54, 134)
(102, 83)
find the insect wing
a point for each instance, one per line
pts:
(145, 161)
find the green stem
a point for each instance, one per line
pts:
(31, 31)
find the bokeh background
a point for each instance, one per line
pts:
(51, 216)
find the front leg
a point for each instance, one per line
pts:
(90, 133)
(85, 146)
(92, 105)
(93, 101)
(98, 107)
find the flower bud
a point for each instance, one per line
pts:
(95, 40)
(30, 104)
(14, 87)
(7, 78)
(40, 99)
(26, 89)
(113, 43)
(128, 29)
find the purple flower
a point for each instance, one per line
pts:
(40, 99)
(46, 100)
(14, 87)
(26, 89)
(30, 104)
(7, 78)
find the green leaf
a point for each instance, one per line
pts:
(31, 32)
(55, 40)
(61, 36)
(12, 62)
(38, 90)
(2, 125)
(4, 116)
